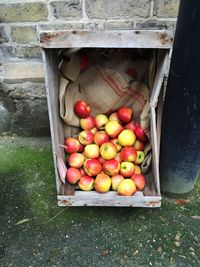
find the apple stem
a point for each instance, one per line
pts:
(62, 145)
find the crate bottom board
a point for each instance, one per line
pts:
(109, 199)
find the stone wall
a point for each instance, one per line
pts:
(23, 108)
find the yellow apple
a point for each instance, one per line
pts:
(126, 138)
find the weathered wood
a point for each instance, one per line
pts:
(115, 38)
(111, 198)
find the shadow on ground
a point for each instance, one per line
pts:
(35, 232)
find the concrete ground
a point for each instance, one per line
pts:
(34, 232)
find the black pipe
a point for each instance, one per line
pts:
(180, 140)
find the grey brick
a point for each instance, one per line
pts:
(24, 34)
(66, 9)
(106, 9)
(23, 12)
(166, 8)
(3, 36)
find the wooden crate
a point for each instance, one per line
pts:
(51, 41)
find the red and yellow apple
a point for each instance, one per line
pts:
(100, 137)
(116, 142)
(118, 157)
(125, 114)
(101, 121)
(138, 145)
(126, 138)
(102, 183)
(111, 167)
(108, 150)
(87, 123)
(73, 175)
(127, 168)
(113, 117)
(113, 128)
(92, 167)
(140, 134)
(137, 170)
(91, 151)
(76, 160)
(126, 188)
(86, 137)
(128, 153)
(140, 158)
(86, 183)
(82, 109)
(116, 180)
(139, 181)
(131, 125)
(71, 145)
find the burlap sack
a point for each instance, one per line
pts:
(106, 87)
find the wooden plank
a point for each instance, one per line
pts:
(92, 198)
(56, 124)
(113, 38)
(150, 188)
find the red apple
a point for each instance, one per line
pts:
(140, 157)
(102, 183)
(73, 175)
(113, 128)
(86, 183)
(82, 172)
(82, 109)
(86, 137)
(128, 154)
(81, 148)
(87, 123)
(108, 150)
(100, 137)
(126, 188)
(131, 125)
(139, 181)
(125, 114)
(140, 134)
(91, 151)
(138, 145)
(126, 168)
(116, 142)
(76, 160)
(116, 180)
(111, 167)
(92, 167)
(101, 160)
(137, 170)
(126, 138)
(71, 145)
(101, 121)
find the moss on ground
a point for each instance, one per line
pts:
(84, 236)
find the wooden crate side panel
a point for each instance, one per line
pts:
(111, 199)
(118, 39)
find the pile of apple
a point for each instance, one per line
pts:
(107, 153)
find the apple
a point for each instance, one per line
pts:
(108, 150)
(118, 157)
(140, 157)
(82, 109)
(91, 151)
(71, 145)
(124, 114)
(140, 134)
(73, 175)
(87, 123)
(111, 167)
(92, 167)
(76, 160)
(131, 125)
(116, 142)
(138, 145)
(137, 170)
(113, 117)
(128, 153)
(126, 188)
(126, 138)
(86, 137)
(139, 181)
(82, 171)
(102, 183)
(116, 180)
(93, 130)
(81, 148)
(127, 168)
(101, 121)
(113, 128)
(86, 183)
(100, 137)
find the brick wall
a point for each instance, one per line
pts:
(22, 90)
